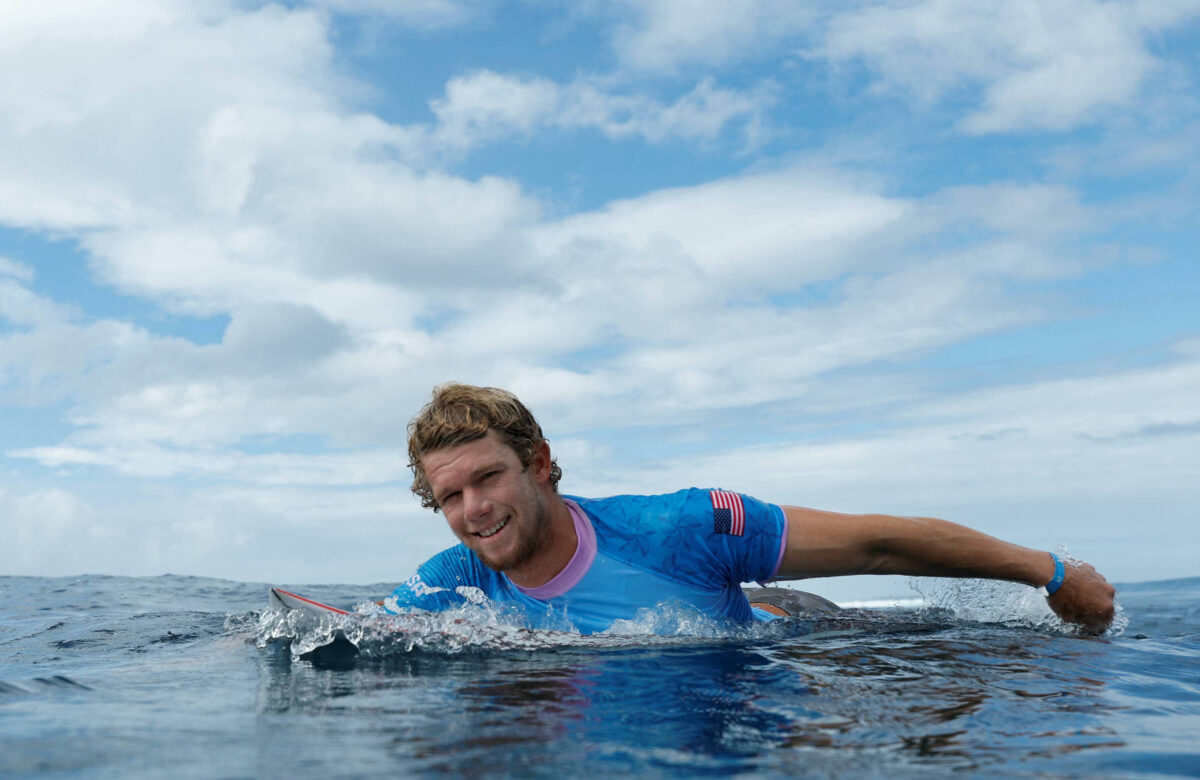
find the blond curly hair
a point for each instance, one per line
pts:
(461, 413)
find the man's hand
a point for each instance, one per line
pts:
(1085, 598)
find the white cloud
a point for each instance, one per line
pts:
(144, 459)
(328, 264)
(207, 162)
(755, 289)
(1040, 65)
(46, 356)
(1042, 463)
(1108, 435)
(19, 305)
(420, 14)
(43, 525)
(1034, 211)
(665, 34)
(276, 534)
(103, 135)
(752, 234)
(1103, 463)
(1034, 65)
(320, 251)
(90, 20)
(135, 392)
(15, 270)
(484, 106)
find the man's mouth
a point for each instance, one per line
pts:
(485, 533)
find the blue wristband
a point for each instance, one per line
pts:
(1060, 574)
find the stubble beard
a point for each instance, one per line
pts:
(529, 542)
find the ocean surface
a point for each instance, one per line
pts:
(189, 677)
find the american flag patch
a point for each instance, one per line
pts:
(728, 515)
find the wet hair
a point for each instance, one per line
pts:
(462, 413)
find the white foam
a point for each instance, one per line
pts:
(892, 603)
(488, 626)
(993, 601)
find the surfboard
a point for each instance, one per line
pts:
(340, 653)
(285, 600)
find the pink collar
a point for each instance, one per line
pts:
(581, 561)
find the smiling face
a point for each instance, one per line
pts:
(495, 506)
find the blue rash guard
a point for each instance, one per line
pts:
(694, 548)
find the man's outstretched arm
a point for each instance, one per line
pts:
(827, 544)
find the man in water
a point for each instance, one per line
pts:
(479, 456)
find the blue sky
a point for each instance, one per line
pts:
(909, 257)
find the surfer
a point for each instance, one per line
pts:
(479, 457)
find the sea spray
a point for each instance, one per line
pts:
(995, 601)
(488, 626)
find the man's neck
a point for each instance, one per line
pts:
(556, 551)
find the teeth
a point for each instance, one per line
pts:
(485, 533)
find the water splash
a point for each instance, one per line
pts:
(1011, 603)
(490, 627)
(486, 626)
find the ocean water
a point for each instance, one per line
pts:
(187, 677)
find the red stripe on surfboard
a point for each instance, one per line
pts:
(310, 601)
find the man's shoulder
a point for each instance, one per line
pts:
(664, 505)
(710, 516)
(640, 502)
(646, 516)
(699, 535)
(458, 564)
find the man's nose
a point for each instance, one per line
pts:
(475, 504)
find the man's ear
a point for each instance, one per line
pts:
(539, 466)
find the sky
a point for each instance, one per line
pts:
(916, 257)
